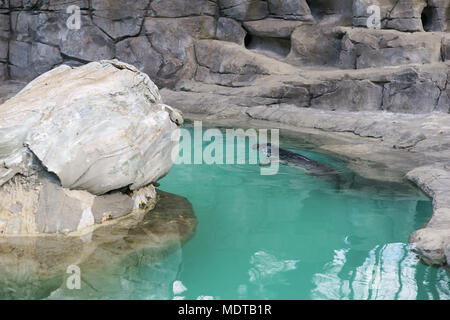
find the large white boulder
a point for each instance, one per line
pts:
(74, 139)
(98, 127)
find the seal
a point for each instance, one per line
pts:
(295, 160)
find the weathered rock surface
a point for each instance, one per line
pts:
(313, 45)
(432, 241)
(381, 48)
(244, 10)
(330, 12)
(119, 19)
(94, 129)
(406, 89)
(274, 28)
(290, 9)
(159, 36)
(230, 30)
(403, 15)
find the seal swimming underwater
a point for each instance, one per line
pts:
(298, 161)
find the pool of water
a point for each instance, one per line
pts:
(294, 236)
(283, 236)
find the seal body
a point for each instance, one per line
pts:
(298, 161)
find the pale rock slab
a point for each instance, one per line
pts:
(95, 129)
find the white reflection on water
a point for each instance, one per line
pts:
(266, 266)
(389, 272)
(267, 270)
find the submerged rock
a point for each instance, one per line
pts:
(74, 134)
(110, 259)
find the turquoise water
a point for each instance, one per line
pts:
(293, 236)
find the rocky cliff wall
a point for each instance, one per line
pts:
(234, 43)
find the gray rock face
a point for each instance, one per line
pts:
(330, 12)
(139, 52)
(236, 65)
(174, 40)
(274, 28)
(181, 8)
(365, 95)
(3, 72)
(230, 30)
(312, 45)
(446, 47)
(119, 19)
(249, 82)
(380, 48)
(244, 10)
(96, 128)
(290, 9)
(159, 37)
(402, 15)
(4, 42)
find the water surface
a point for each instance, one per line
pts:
(284, 236)
(293, 236)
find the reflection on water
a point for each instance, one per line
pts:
(113, 259)
(389, 272)
(287, 236)
(266, 267)
(291, 236)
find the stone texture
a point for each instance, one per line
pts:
(9, 88)
(244, 10)
(436, 15)
(44, 57)
(88, 44)
(139, 52)
(174, 40)
(3, 72)
(182, 8)
(406, 89)
(228, 62)
(119, 19)
(290, 9)
(314, 45)
(275, 28)
(446, 46)
(67, 141)
(230, 30)
(159, 36)
(358, 95)
(432, 241)
(402, 15)
(38, 204)
(111, 206)
(380, 48)
(331, 12)
(97, 128)
(49, 28)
